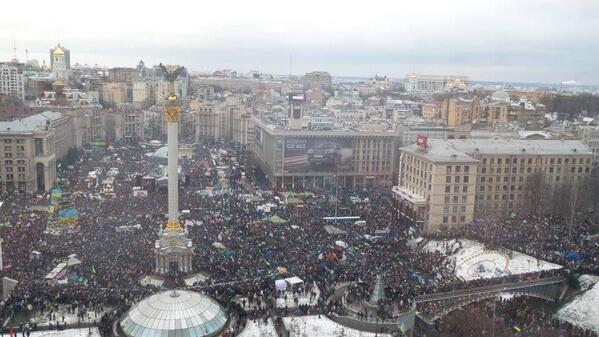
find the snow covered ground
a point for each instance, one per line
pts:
(257, 328)
(474, 261)
(583, 309)
(301, 326)
(67, 333)
(302, 299)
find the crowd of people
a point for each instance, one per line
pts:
(237, 245)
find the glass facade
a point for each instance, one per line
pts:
(178, 313)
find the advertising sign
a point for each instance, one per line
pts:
(422, 141)
(318, 155)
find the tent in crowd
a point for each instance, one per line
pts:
(277, 219)
(294, 282)
(281, 270)
(73, 260)
(280, 285)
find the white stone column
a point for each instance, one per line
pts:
(1, 262)
(173, 176)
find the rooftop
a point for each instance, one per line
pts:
(438, 151)
(32, 123)
(519, 146)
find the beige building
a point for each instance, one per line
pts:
(436, 185)
(29, 149)
(205, 125)
(430, 110)
(114, 93)
(140, 92)
(125, 123)
(506, 164)
(451, 182)
(243, 127)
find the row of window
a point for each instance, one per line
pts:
(530, 161)
(456, 189)
(454, 219)
(457, 179)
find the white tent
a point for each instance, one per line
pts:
(294, 282)
(73, 261)
(280, 285)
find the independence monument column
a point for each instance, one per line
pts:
(173, 247)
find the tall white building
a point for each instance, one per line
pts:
(11, 79)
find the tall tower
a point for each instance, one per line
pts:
(296, 110)
(173, 247)
(59, 61)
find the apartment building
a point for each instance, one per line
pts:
(11, 80)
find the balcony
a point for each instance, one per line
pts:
(412, 198)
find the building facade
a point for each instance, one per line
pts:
(11, 80)
(29, 149)
(434, 83)
(324, 158)
(317, 80)
(453, 182)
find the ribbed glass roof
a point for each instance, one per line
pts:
(177, 313)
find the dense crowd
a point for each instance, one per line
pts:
(238, 246)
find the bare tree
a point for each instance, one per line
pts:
(537, 193)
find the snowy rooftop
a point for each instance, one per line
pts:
(513, 146)
(438, 150)
(474, 261)
(321, 327)
(583, 310)
(31, 123)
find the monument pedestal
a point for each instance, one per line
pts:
(173, 246)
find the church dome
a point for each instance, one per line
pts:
(179, 313)
(58, 52)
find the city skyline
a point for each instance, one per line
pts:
(505, 42)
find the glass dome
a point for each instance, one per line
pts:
(173, 313)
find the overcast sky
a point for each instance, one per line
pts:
(495, 40)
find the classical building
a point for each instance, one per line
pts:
(440, 182)
(29, 149)
(125, 123)
(11, 80)
(434, 83)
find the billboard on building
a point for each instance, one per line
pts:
(303, 155)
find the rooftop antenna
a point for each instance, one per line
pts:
(26, 55)
(14, 46)
(290, 65)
